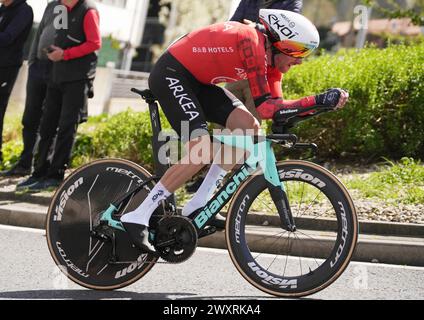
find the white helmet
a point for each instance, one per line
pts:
(290, 32)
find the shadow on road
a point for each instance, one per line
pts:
(90, 295)
(110, 295)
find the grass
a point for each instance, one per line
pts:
(401, 182)
(12, 139)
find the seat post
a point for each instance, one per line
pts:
(160, 169)
(150, 99)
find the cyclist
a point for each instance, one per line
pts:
(185, 79)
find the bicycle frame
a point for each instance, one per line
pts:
(261, 157)
(261, 154)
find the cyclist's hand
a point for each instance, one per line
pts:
(344, 99)
(333, 98)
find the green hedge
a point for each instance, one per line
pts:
(385, 116)
(125, 135)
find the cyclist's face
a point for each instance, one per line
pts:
(283, 62)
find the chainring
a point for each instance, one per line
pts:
(175, 239)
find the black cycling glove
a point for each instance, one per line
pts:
(329, 99)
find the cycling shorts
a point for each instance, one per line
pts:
(187, 103)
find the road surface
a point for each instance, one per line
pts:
(28, 272)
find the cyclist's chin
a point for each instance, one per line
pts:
(284, 68)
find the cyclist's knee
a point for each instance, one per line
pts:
(256, 126)
(242, 119)
(199, 150)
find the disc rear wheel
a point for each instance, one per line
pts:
(73, 215)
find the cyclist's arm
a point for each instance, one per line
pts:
(265, 85)
(267, 107)
(274, 81)
(333, 99)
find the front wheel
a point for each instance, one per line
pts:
(75, 211)
(299, 263)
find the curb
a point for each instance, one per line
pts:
(405, 252)
(365, 227)
(384, 249)
(41, 199)
(27, 218)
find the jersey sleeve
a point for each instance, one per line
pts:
(253, 57)
(274, 82)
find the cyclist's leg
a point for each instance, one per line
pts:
(176, 90)
(230, 113)
(223, 108)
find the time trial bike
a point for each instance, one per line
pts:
(273, 229)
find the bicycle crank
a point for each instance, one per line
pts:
(175, 239)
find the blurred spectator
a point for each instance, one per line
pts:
(74, 57)
(38, 76)
(249, 9)
(16, 18)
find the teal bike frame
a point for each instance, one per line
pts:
(261, 156)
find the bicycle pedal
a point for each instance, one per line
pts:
(99, 236)
(206, 232)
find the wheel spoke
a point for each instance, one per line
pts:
(266, 205)
(322, 214)
(279, 236)
(300, 259)
(311, 204)
(301, 198)
(287, 256)
(312, 238)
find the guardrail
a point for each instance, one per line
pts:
(123, 81)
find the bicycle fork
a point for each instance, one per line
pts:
(281, 201)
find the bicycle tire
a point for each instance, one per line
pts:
(74, 210)
(240, 236)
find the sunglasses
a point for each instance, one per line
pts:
(294, 49)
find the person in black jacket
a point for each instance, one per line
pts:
(39, 73)
(249, 9)
(74, 60)
(16, 18)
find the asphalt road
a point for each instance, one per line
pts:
(27, 272)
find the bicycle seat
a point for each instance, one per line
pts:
(146, 95)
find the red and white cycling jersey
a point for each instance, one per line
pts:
(229, 52)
